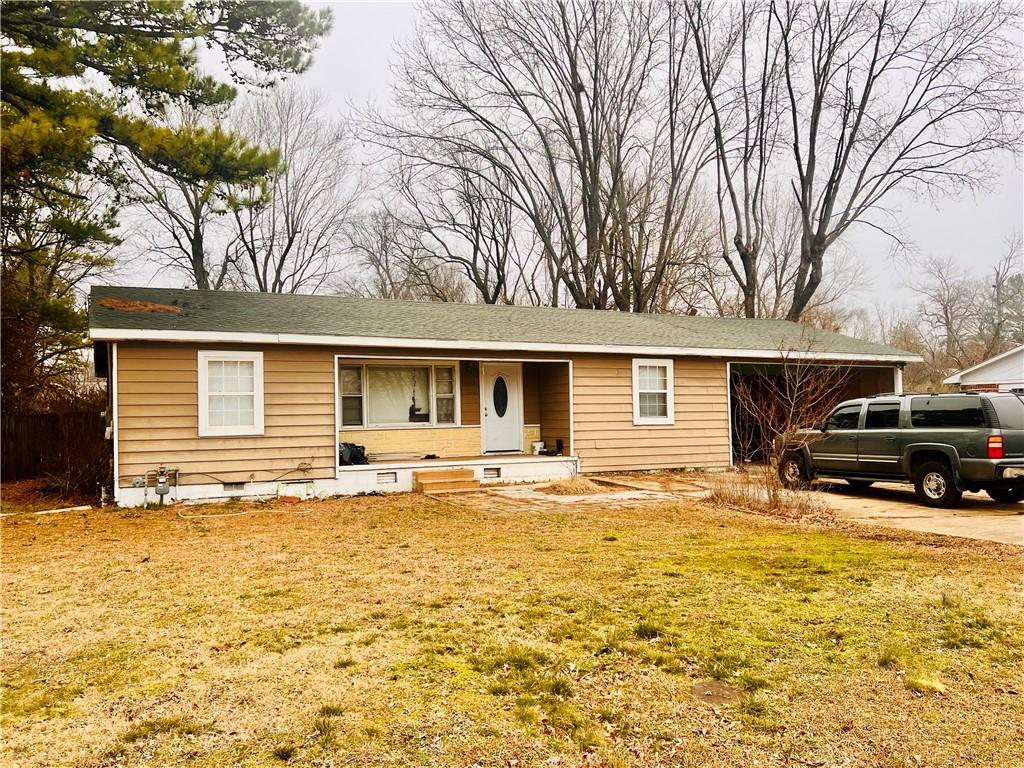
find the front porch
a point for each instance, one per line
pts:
(397, 477)
(508, 420)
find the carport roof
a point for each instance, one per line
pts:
(124, 313)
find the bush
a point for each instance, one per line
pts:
(759, 490)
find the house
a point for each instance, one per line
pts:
(218, 394)
(1002, 373)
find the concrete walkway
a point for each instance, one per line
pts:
(895, 505)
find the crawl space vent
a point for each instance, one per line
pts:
(492, 472)
(234, 486)
(387, 477)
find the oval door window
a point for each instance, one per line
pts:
(500, 396)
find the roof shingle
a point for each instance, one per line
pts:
(227, 312)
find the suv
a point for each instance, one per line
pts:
(943, 444)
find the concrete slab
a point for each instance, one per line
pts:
(896, 506)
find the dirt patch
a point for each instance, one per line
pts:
(134, 305)
(717, 693)
(34, 496)
(576, 486)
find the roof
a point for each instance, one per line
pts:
(121, 313)
(1005, 367)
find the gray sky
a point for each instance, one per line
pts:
(353, 66)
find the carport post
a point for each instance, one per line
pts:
(897, 381)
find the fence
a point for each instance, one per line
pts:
(69, 446)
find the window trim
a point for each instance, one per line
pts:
(432, 365)
(646, 421)
(203, 359)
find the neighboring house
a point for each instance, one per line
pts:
(1002, 373)
(241, 394)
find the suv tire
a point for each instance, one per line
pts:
(1006, 495)
(935, 484)
(793, 471)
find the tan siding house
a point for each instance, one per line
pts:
(224, 394)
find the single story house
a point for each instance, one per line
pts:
(246, 394)
(1002, 373)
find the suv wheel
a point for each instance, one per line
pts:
(936, 485)
(1006, 495)
(791, 471)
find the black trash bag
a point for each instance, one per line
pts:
(350, 453)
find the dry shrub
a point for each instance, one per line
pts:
(575, 486)
(753, 492)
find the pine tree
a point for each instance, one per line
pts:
(80, 83)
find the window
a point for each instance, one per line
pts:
(1010, 411)
(385, 395)
(945, 412)
(230, 393)
(398, 394)
(653, 392)
(350, 380)
(444, 397)
(845, 417)
(883, 416)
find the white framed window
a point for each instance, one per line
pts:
(653, 395)
(397, 394)
(230, 393)
(350, 384)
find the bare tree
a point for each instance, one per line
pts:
(578, 115)
(186, 217)
(772, 401)
(463, 221)
(391, 263)
(289, 233)
(963, 318)
(738, 55)
(891, 95)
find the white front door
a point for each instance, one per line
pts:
(501, 400)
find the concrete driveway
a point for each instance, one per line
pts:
(894, 505)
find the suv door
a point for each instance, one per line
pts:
(879, 447)
(836, 449)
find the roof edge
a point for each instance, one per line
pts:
(955, 378)
(236, 337)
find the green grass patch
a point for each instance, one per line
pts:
(150, 728)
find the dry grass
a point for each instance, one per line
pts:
(574, 486)
(36, 495)
(758, 491)
(397, 631)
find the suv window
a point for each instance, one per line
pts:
(1010, 411)
(844, 418)
(944, 412)
(883, 416)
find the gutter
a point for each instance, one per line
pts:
(234, 337)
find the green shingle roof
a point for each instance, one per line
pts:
(143, 310)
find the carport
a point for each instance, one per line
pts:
(786, 383)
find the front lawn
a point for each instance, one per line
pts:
(402, 630)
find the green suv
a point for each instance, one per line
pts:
(943, 444)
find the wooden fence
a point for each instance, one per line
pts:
(70, 446)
